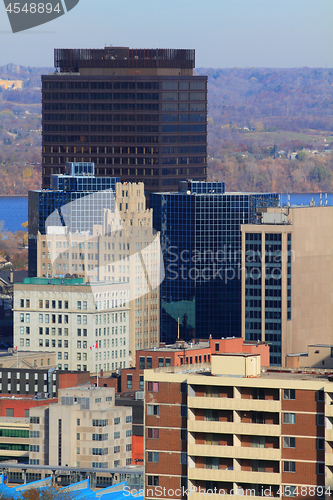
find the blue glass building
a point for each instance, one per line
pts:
(76, 200)
(200, 230)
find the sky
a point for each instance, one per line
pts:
(224, 33)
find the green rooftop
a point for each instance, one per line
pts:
(54, 281)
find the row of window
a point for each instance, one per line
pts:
(166, 85)
(123, 96)
(47, 304)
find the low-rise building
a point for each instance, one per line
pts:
(84, 429)
(317, 356)
(14, 439)
(186, 353)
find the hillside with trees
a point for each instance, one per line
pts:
(271, 129)
(268, 129)
(20, 130)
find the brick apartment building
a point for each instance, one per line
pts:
(183, 353)
(239, 429)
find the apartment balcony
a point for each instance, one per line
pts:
(329, 410)
(205, 496)
(329, 459)
(237, 476)
(234, 404)
(329, 434)
(234, 428)
(249, 452)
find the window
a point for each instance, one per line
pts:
(321, 396)
(129, 381)
(116, 449)
(167, 361)
(117, 421)
(320, 444)
(258, 441)
(153, 433)
(321, 468)
(142, 360)
(149, 362)
(183, 434)
(160, 362)
(183, 411)
(320, 419)
(128, 419)
(288, 442)
(152, 456)
(183, 458)
(288, 393)
(289, 491)
(212, 463)
(289, 467)
(289, 418)
(153, 386)
(211, 415)
(258, 393)
(153, 410)
(152, 480)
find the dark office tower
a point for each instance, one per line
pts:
(201, 242)
(74, 203)
(139, 114)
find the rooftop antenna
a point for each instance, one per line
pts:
(178, 330)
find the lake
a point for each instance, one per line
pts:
(13, 212)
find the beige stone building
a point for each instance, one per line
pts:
(287, 279)
(84, 429)
(125, 249)
(68, 317)
(316, 356)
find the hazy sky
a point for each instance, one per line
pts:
(224, 33)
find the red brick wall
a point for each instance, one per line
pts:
(305, 425)
(169, 444)
(73, 379)
(19, 405)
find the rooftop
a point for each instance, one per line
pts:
(71, 60)
(54, 281)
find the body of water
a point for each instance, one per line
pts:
(13, 212)
(14, 209)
